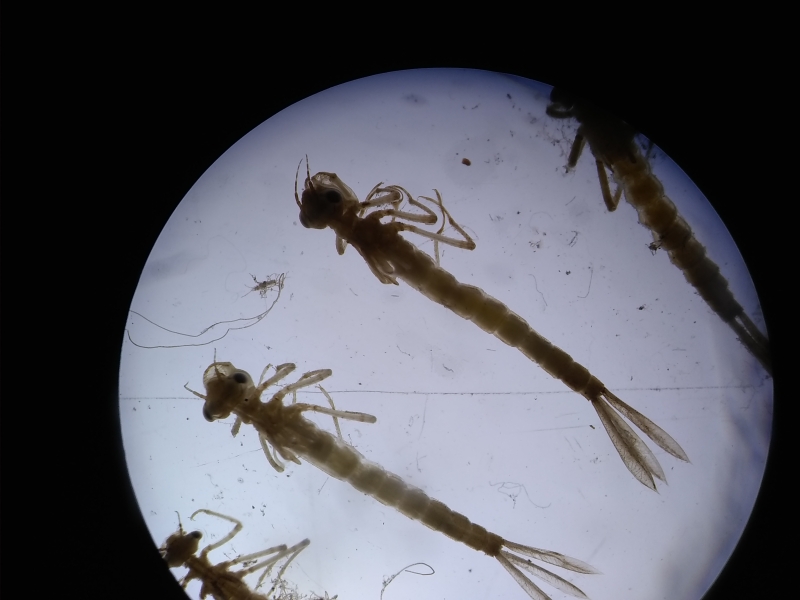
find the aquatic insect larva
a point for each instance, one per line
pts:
(328, 202)
(218, 581)
(263, 287)
(292, 436)
(611, 141)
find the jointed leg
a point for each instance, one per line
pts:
(281, 371)
(236, 529)
(274, 462)
(611, 201)
(576, 150)
(393, 195)
(466, 244)
(306, 380)
(575, 153)
(333, 412)
(280, 549)
(333, 406)
(342, 414)
(291, 552)
(429, 218)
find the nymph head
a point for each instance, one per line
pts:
(226, 387)
(324, 200)
(562, 104)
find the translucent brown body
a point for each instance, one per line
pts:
(419, 271)
(218, 581)
(612, 143)
(329, 202)
(231, 391)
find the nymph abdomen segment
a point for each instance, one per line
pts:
(344, 462)
(491, 315)
(672, 233)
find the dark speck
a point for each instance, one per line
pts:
(414, 99)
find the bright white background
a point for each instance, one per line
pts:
(466, 418)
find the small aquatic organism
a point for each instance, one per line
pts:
(262, 287)
(218, 581)
(328, 202)
(231, 391)
(611, 141)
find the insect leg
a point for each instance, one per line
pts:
(576, 150)
(280, 549)
(333, 406)
(306, 380)
(259, 286)
(342, 414)
(274, 462)
(290, 552)
(281, 371)
(333, 412)
(467, 243)
(429, 218)
(611, 201)
(391, 195)
(236, 529)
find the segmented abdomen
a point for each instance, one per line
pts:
(419, 271)
(344, 462)
(658, 213)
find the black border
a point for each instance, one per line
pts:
(156, 126)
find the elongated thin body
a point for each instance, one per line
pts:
(231, 391)
(218, 581)
(328, 202)
(611, 141)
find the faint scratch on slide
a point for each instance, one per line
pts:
(591, 274)
(536, 285)
(515, 488)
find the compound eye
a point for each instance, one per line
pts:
(207, 415)
(239, 377)
(196, 535)
(333, 196)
